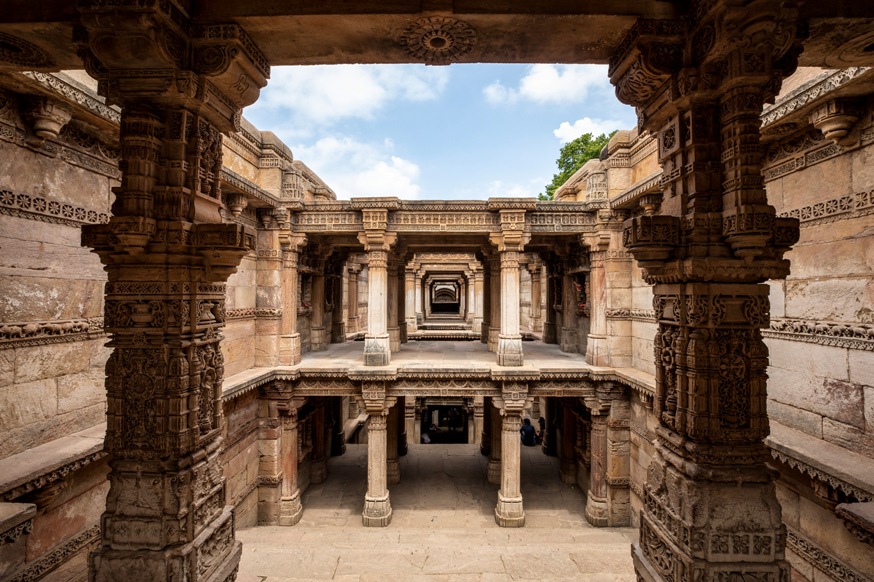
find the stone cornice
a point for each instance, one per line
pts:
(56, 83)
(628, 197)
(240, 183)
(853, 336)
(804, 96)
(37, 333)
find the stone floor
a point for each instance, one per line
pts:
(442, 530)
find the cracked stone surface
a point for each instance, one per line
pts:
(442, 530)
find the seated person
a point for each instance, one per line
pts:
(528, 433)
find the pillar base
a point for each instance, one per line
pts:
(290, 509)
(318, 339)
(510, 350)
(549, 333)
(377, 351)
(319, 470)
(213, 556)
(494, 332)
(289, 350)
(508, 512)
(597, 512)
(338, 333)
(494, 471)
(338, 443)
(393, 471)
(568, 472)
(394, 339)
(377, 511)
(596, 350)
(570, 342)
(352, 324)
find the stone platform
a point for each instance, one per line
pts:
(442, 529)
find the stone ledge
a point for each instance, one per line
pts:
(50, 462)
(844, 470)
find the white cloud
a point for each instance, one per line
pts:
(325, 95)
(353, 168)
(499, 189)
(551, 84)
(567, 132)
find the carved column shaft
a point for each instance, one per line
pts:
(596, 502)
(268, 298)
(394, 332)
(550, 324)
(597, 351)
(494, 301)
(570, 333)
(377, 506)
(318, 334)
(377, 351)
(410, 301)
(494, 465)
(352, 300)
(290, 508)
(393, 468)
(567, 446)
(289, 341)
(536, 302)
(509, 511)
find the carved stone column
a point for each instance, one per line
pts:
(352, 300)
(510, 340)
(567, 446)
(289, 339)
(318, 334)
(487, 299)
(419, 298)
(319, 455)
(478, 301)
(596, 503)
(410, 300)
(494, 301)
(478, 413)
(394, 332)
(290, 507)
(393, 467)
(401, 302)
(410, 404)
(377, 505)
(268, 296)
(597, 350)
(553, 304)
(167, 255)
(699, 86)
(377, 243)
(338, 435)
(570, 340)
(618, 468)
(335, 296)
(270, 462)
(536, 302)
(494, 465)
(509, 511)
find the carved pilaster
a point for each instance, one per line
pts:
(377, 349)
(289, 339)
(715, 238)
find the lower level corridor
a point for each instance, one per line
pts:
(443, 528)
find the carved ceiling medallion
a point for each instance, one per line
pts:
(438, 40)
(22, 53)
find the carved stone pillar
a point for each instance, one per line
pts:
(290, 508)
(167, 256)
(618, 468)
(510, 340)
(377, 505)
(289, 339)
(494, 301)
(393, 467)
(268, 297)
(319, 455)
(553, 305)
(419, 298)
(509, 511)
(318, 334)
(597, 351)
(570, 339)
(596, 503)
(269, 462)
(494, 465)
(335, 284)
(401, 301)
(567, 446)
(699, 86)
(478, 414)
(410, 404)
(394, 332)
(352, 300)
(338, 435)
(487, 300)
(410, 301)
(478, 301)
(534, 318)
(377, 350)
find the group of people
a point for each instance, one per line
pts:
(530, 436)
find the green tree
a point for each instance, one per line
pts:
(572, 157)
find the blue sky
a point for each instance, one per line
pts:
(417, 132)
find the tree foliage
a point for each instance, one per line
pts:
(572, 157)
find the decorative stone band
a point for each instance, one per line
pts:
(846, 207)
(819, 558)
(51, 476)
(10, 536)
(854, 336)
(37, 333)
(645, 315)
(38, 208)
(808, 93)
(822, 476)
(36, 570)
(250, 313)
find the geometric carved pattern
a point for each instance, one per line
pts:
(854, 336)
(820, 558)
(38, 208)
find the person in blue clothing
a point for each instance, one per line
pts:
(528, 433)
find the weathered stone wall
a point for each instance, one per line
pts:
(240, 457)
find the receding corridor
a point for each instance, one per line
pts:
(443, 527)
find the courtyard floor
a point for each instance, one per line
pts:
(442, 529)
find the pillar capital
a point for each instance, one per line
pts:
(214, 69)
